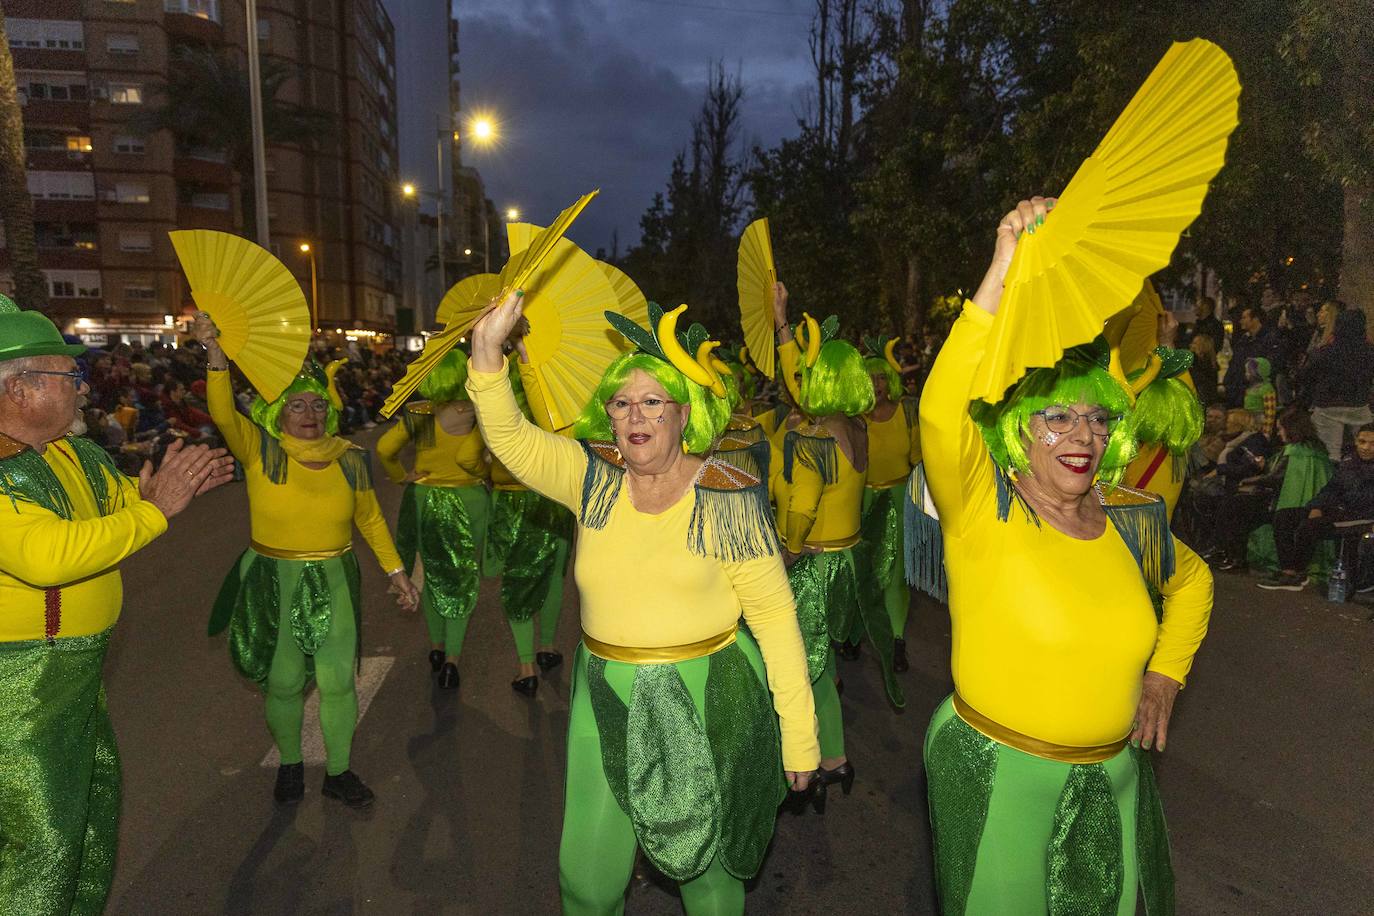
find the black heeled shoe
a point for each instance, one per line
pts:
(899, 662)
(547, 661)
(526, 685)
(842, 774)
(795, 803)
(436, 660)
(290, 787)
(448, 676)
(848, 650)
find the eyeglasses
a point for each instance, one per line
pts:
(301, 406)
(649, 408)
(76, 375)
(1061, 420)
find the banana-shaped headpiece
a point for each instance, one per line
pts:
(808, 334)
(891, 356)
(697, 368)
(330, 371)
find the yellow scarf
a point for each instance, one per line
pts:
(315, 451)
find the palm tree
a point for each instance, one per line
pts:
(205, 103)
(16, 206)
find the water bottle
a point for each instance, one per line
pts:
(1337, 584)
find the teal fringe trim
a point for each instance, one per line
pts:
(600, 489)
(819, 454)
(1008, 497)
(1145, 529)
(96, 463)
(925, 542)
(26, 477)
(912, 408)
(753, 459)
(419, 426)
(356, 464)
(734, 526)
(273, 458)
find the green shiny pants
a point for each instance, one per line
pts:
(59, 778)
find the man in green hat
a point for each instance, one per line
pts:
(68, 518)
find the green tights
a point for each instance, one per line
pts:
(333, 673)
(523, 630)
(829, 718)
(597, 854)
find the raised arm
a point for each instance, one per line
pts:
(240, 434)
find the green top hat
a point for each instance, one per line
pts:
(30, 334)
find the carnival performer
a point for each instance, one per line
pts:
(893, 447)
(672, 744)
(825, 464)
(292, 601)
(69, 519)
(1038, 801)
(445, 507)
(1168, 415)
(528, 547)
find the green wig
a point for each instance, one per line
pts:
(445, 381)
(838, 383)
(876, 365)
(311, 381)
(733, 395)
(708, 416)
(1076, 379)
(1168, 412)
(748, 383)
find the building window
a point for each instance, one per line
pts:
(121, 43)
(78, 144)
(129, 145)
(135, 240)
(210, 200)
(70, 284)
(62, 185)
(51, 87)
(131, 192)
(126, 93)
(203, 9)
(48, 34)
(65, 236)
(139, 293)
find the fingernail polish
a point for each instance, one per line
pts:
(519, 294)
(1040, 220)
(1146, 744)
(1031, 229)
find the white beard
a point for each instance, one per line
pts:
(78, 427)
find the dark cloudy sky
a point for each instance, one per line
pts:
(594, 93)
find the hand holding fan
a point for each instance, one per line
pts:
(255, 302)
(1120, 218)
(757, 274)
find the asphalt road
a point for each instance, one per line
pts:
(1265, 782)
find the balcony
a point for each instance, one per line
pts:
(65, 114)
(193, 20)
(64, 211)
(202, 167)
(190, 216)
(48, 58)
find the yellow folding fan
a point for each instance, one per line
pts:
(255, 302)
(467, 298)
(1120, 218)
(514, 275)
(757, 274)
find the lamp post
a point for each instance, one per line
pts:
(307, 250)
(258, 133)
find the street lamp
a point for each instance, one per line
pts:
(314, 287)
(512, 214)
(408, 189)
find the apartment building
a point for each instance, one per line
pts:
(106, 192)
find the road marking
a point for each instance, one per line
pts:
(369, 681)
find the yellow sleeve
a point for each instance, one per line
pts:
(958, 469)
(241, 434)
(45, 550)
(389, 448)
(548, 463)
(367, 515)
(789, 354)
(1187, 608)
(803, 500)
(769, 609)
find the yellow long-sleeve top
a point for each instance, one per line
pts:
(1050, 634)
(893, 448)
(59, 577)
(640, 584)
(820, 513)
(441, 458)
(313, 511)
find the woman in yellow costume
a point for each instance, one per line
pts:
(445, 507)
(819, 501)
(1041, 798)
(291, 603)
(893, 447)
(672, 745)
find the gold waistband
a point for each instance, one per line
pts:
(835, 543)
(279, 554)
(1034, 746)
(509, 487)
(887, 484)
(660, 655)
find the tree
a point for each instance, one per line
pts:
(206, 103)
(16, 206)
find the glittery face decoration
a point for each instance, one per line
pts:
(1049, 438)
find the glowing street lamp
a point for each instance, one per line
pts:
(483, 129)
(408, 190)
(512, 214)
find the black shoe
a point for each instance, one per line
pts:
(347, 788)
(436, 660)
(795, 803)
(843, 774)
(1284, 582)
(848, 650)
(899, 662)
(448, 676)
(547, 661)
(526, 685)
(290, 788)
(1228, 565)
